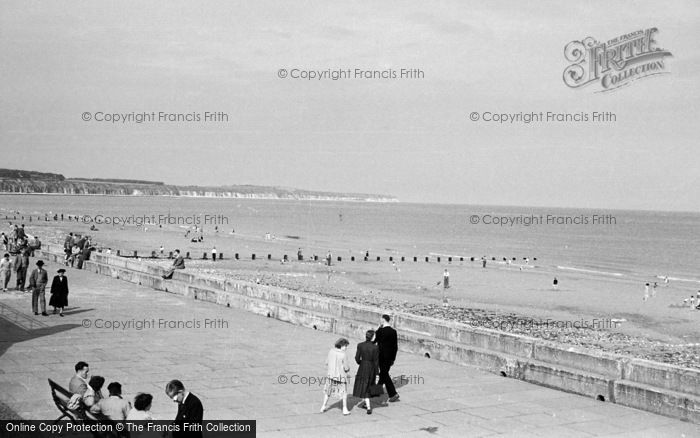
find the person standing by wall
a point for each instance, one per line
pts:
(5, 271)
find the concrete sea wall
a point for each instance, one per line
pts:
(655, 387)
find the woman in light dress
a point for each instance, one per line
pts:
(337, 375)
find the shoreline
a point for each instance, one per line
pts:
(252, 197)
(522, 301)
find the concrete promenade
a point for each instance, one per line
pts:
(244, 366)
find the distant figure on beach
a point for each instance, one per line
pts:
(446, 279)
(337, 375)
(162, 250)
(653, 290)
(328, 258)
(178, 263)
(646, 292)
(216, 229)
(396, 268)
(4, 241)
(483, 262)
(367, 254)
(527, 261)
(690, 300)
(555, 283)
(213, 254)
(300, 256)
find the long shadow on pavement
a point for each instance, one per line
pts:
(17, 327)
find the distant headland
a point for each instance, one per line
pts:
(27, 181)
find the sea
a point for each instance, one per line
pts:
(618, 243)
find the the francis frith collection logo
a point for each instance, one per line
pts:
(615, 63)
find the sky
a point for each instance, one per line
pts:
(411, 138)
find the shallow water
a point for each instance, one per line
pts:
(637, 244)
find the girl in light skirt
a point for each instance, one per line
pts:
(337, 375)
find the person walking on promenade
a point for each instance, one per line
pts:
(213, 254)
(178, 263)
(387, 342)
(328, 258)
(79, 383)
(367, 357)
(37, 283)
(445, 280)
(337, 375)
(5, 271)
(189, 408)
(59, 291)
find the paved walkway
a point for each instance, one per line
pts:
(238, 364)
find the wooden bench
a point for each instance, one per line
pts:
(61, 397)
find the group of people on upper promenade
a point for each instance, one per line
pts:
(374, 357)
(22, 246)
(77, 249)
(17, 247)
(89, 399)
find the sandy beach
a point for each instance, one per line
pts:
(596, 311)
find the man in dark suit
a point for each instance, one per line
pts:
(179, 263)
(387, 342)
(37, 283)
(189, 410)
